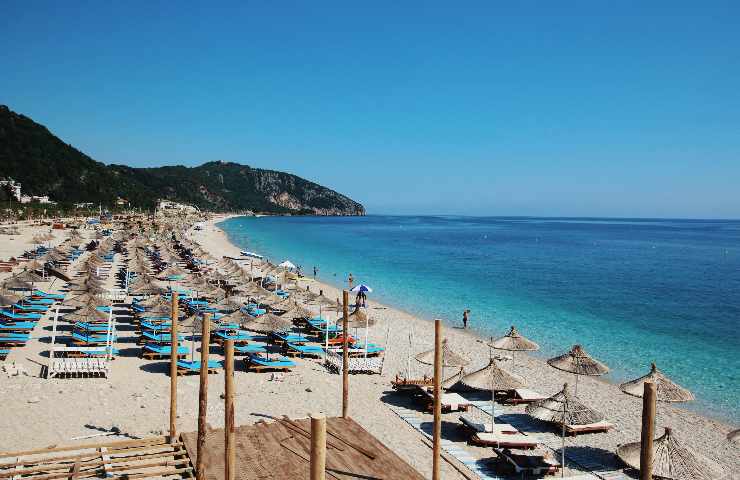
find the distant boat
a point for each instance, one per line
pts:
(251, 254)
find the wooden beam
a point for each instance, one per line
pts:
(229, 428)
(345, 354)
(123, 443)
(173, 369)
(200, 469)
(648, 431)
(318, 447)
(437, 430)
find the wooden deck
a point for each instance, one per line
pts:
(281, 450)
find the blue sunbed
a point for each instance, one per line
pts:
(259, 362)
(151, 349)
(160, 337)
(90, 339)
(313, 350)
(290, 337)
(20, 316)
(56, 296)
(250, 348)
(193, 366)
(30, 308)
(38, 301)
(17, 327)
(14, 338)
(239, 336)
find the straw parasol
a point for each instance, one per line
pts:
(671, 460)
(14, 283)
(29, 276)
(450, 358)
(578, 362)
(9, 299)
(514, 342)
(81, 300)
(666, 389)
(268, 323)
(563, 408)
(87, 313)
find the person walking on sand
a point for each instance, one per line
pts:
(350, 280)
(466, 313)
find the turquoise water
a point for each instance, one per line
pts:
(630, 291)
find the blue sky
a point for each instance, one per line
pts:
(502, 108)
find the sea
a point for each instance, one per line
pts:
(631, 291)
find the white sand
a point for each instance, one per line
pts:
(39, 412)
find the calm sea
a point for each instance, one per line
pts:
(630, 291)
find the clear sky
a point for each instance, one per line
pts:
(596, 108)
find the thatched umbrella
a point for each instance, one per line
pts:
(578, 362)
(268, 323)
(671, 460)
(14, 283)
(146, 287)
(563, 408)
(9, 298)
(666, 389)
(29, 276)
(154, 301)
(195, 324)
(228, 304)
(514, 342)
(450, 358)
(82, 300)
(88, 313)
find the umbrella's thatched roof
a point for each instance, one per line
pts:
(452, 380)
(267, 323)
(359, 318)
(579, 362)
(564, 408)
(14, 283)
(490, 377)
(514, 342)
(671, 459)
(154, 301)
(192, 323)
(9, 298)
(228, 303)
(667, 390)
(83, 299)
(450, 358)
(88, 313)
(29, 276)
(146, 287)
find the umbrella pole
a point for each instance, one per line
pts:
(493, 406)
(562, 452)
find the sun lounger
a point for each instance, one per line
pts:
(249, 348)
(524, 395)
(30, 308)
(17, 327)
(532, 463)
(258, 362)
(451, 402)
(239, 337)
(158, 337)
(40, 294)
(91, 326)
(289, 338)
(294, 349)
(20, 316)
(14, 339)
(504, 440)
(410, 384)
(185, 367)
(153, 351)
(4, 353)
(39, 301)
(86, 352)
(597, 427)
(486, 427)
(87, 339)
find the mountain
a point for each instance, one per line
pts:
(45, 165)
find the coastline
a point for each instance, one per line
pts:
(705, 433)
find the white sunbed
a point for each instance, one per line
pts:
(525, 395)
(486, 427)
(450, 401)
(602, 426)
(504, 440)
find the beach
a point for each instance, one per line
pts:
(134, 401)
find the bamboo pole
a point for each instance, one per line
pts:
(318, 447)
(345, 354)
(173, 369)
(648, 431)
(229, 429)
(203, 397)
(437, 431)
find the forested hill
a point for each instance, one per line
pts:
(45, 165)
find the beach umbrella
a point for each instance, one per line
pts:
(9, 299)
(268, 323)
(82, 300)
(29, 276)
(14, 283)
(453, 380)
(154, 301)
(450, 358)
(88, 313)
(514, 342)
(195, 324)
(563, 408)
(287, 264)
(671, 459)
(228, 304)
(666, 390)
(578, 362)
(361, 288)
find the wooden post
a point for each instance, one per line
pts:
(229, 429)
(437, 431)
(318, 447)
(200, 471)
(648, 431)
(173, 369)
(345, 354)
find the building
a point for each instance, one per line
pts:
(121, 201)
(13, 186)
(165, 206)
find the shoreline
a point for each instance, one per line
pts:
(478, 337)
(704, 433)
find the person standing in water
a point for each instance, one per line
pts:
(466, 314)
(315, 272)
(350, 280)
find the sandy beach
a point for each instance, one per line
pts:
(135, 399)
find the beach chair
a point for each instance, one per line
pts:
(523, 395)
(188, 367)
(149, 337)
(239, 336)
(486, 427)
(245, 349)
(4, 353)
(451, 402)
(30, 308)
(258, 362)
(313, 351)
(598, 427)
(152, 351)
(20, 316)
(284, 338)
(533, 463)
(14, 339)
(53, 296)
(504, 440)
(86, 339)
(17, 327)
(91, 326)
